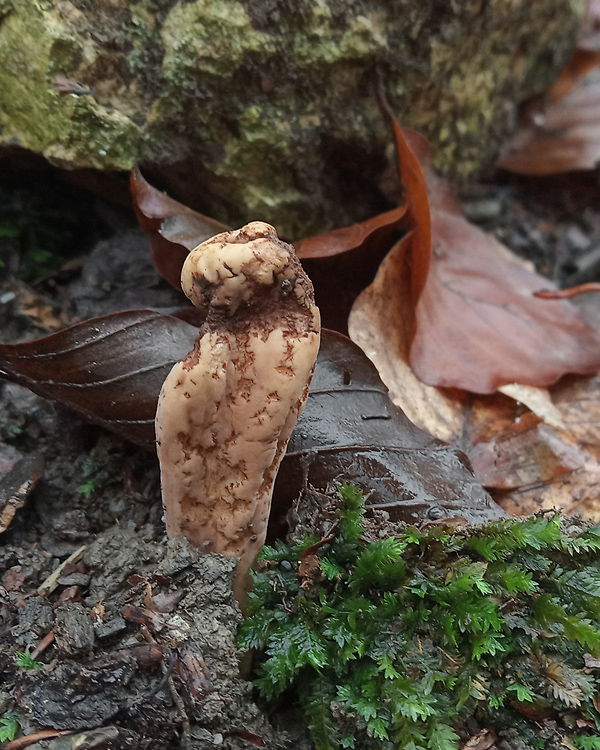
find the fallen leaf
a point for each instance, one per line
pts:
(16, 486)
(536, 399)
(577, 399)
(342, 240)
(110, 369)
(341, 263)
(483, 740)
(563, 132)
(477, 325)
(574, 493)
(527, 452)
(35, 307)
(351, 431)
(172, 229)
(13, 580)
(253, 739)
(436, 410)
(588, 36)
(193, 673)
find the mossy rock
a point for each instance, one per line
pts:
(265, 109)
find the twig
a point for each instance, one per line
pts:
(183, 717)
(52, 581)
(43, 645)
(43, 734)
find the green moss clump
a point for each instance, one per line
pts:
(393, 643)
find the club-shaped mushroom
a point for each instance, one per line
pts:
(227, 410)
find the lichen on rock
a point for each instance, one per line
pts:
(267, 107)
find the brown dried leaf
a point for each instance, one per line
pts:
(483, 740)
(528, 452)
(563, 132)
(477, 325)
(574, 493)
(343, 240)
(193, 673)
(578, 402)
(172, 229)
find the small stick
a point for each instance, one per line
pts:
(43, 645)
(43, 734)
(179, 704)
(52, 581)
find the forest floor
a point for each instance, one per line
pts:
(142, 651)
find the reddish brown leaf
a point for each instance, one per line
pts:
(109, 369)
(342, 240)
(343, 262)
(253, 739)
(193, 673)
(478, 325)
(563, 133)
(172, 228)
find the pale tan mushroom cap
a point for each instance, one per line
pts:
(232, 264)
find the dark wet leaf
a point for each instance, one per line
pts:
(109, 370)
(351, 431)
(172, 228)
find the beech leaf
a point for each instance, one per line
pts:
(350, 428)
(562, 132)
(475, 324)
(172, 229)
(340, 241)
(111, 369)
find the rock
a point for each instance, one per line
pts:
(265, 109)
(36, 619)
(73, 631)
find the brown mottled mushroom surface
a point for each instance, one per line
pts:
(226, 411)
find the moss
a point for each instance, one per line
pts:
(209, 37)
(35, 48)
(396, 637)
(260, 94)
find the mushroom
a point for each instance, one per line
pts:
(227, 410)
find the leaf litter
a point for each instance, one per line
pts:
(564, 462)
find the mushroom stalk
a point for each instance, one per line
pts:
(227, 410)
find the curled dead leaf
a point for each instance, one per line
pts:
(475, 325)
(172, 229)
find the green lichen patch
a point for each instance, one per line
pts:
(404, 641)
(35, 47)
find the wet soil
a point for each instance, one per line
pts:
(135, 636)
